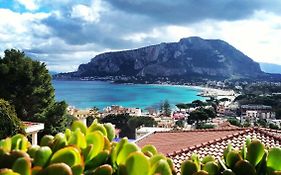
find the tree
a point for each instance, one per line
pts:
(210, 112)
(198, 103)
(180, 123)
(198, 116)
(128, 124)
(278, 113)
(166, 108)
(56, 118)
(94, 114)
(234, 121)
(25, 83)
(181, 106)
(10, 124)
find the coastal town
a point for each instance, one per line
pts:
(140, 87)
(228, 113)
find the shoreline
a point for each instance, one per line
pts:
(205, 91)
(202, 91)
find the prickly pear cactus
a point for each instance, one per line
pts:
(81, 150)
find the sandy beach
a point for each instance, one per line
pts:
(208, 92)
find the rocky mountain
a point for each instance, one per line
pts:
(190, 57)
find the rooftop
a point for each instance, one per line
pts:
(255, 107)
(170, 141)
(32, 127)
(180, 145)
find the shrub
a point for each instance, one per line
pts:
(10, 124)
(205, 126)
(234, 121)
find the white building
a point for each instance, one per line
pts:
(253, 113)
(115, 109)
(143, 131)
(32, 129)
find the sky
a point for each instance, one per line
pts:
(65, 33)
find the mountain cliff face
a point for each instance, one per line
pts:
(192, 56)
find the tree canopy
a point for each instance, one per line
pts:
(128, 123)
(166, 108)
(25, 83)
(9, 123)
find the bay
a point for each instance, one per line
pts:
(88, 94)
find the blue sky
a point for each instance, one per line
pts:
(65, 33)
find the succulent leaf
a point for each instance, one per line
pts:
(149, 148)
(42, 156)
(6, 144)
(273, 159)
(22, 166)
(243, 167)
(110, 130)
(95, 138)
(137, 164)
(188, 167)
(127, 149)
(78, 138)
(8, 172)
(57, 169)
(97, 127)
(78, 124)
(47, 140)
(68, 155)
(255, 152)
(161, 167)
(59, 142)
(98, 160)
(232, 157)
(207, 159)
(211, 167)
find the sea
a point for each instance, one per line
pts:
(100, 94)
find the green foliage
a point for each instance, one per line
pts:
(26, 84)
(274, 101)
(165, 108)
(198, 103)
(180, 123)
(55, 118)
(98, 156)
(278, 113)
(234, 121)
(128, 123)
(258, 161)
(10, 124)
(273, 126)
(262, 123)
(205, 126)
(198, 115)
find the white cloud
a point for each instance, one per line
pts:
(18, 30)
(256, 37)
(259, 37)
(88, 13)
(29, 4)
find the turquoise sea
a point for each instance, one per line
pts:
(87, 94)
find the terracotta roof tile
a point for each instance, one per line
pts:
(167, 142)
(179, 145)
